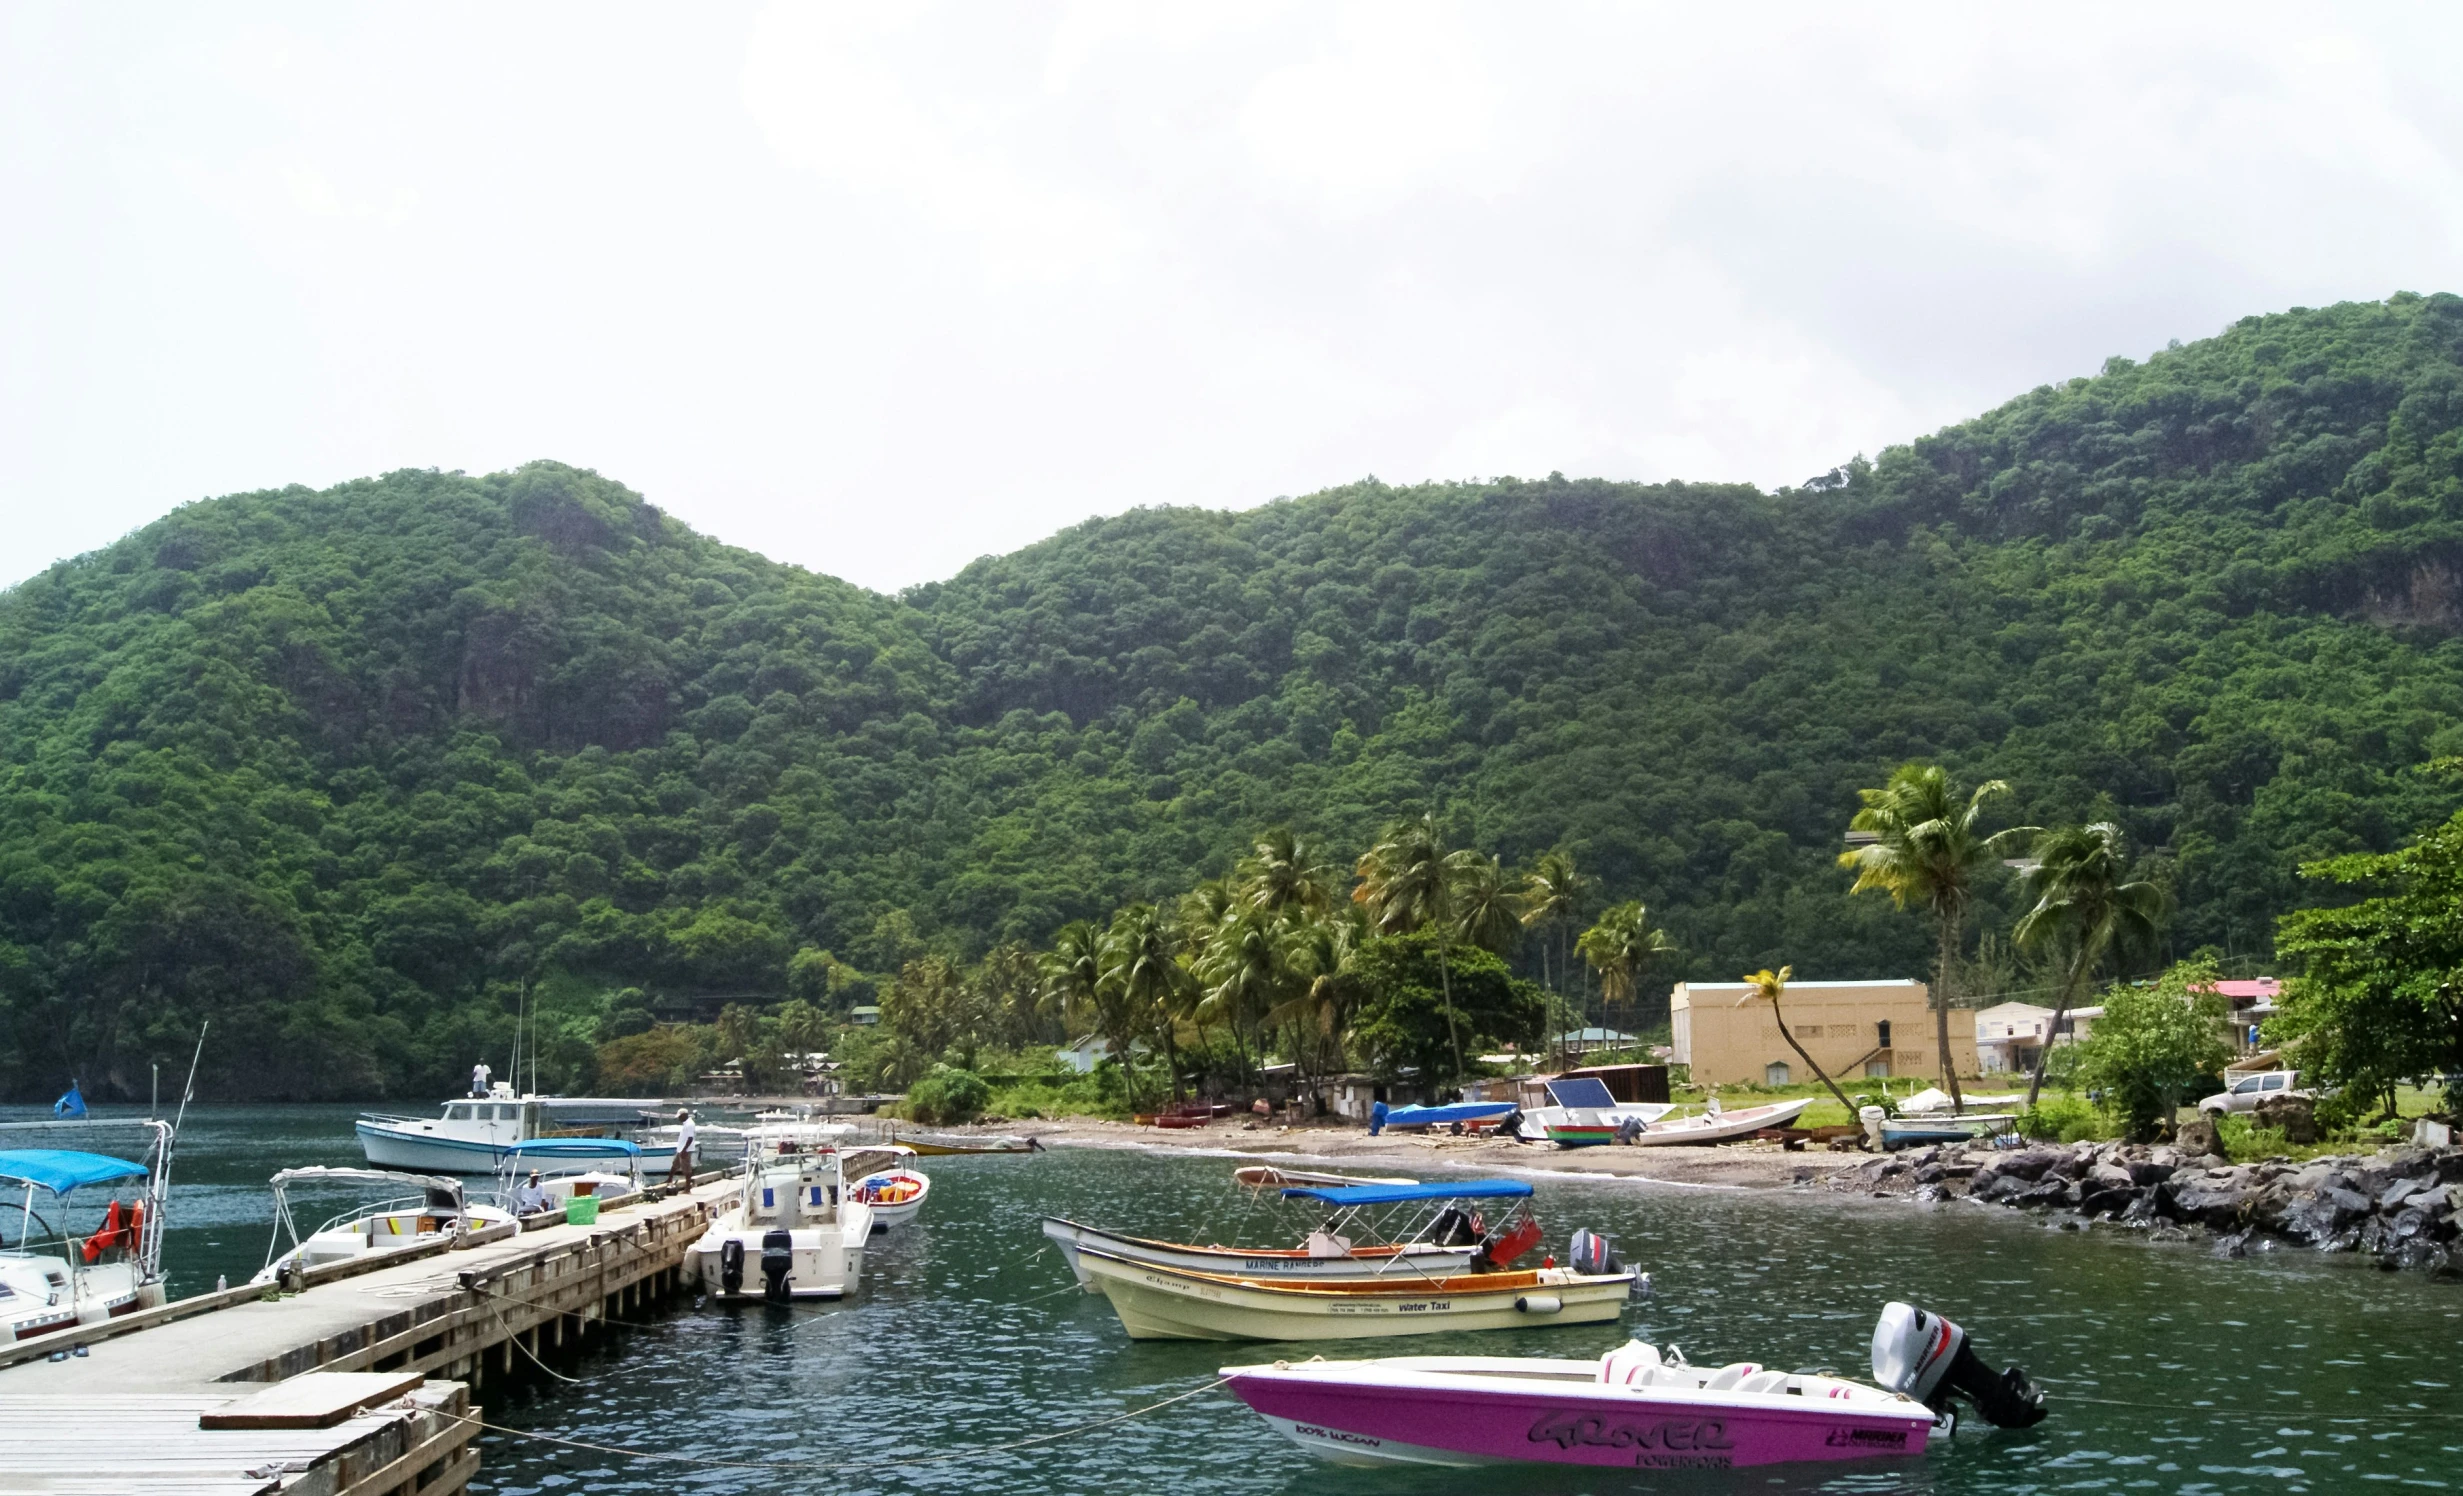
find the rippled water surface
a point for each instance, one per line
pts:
(2169, 1372)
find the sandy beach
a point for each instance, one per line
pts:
(1726, 1166)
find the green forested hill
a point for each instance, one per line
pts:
(348, 771)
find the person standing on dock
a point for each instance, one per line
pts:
(682, 1168)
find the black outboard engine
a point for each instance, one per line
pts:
(1921, 1355)
(777, 1263)
(1590, 1252)
(731, 1265)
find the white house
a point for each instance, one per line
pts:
(1086, 1054)
(2008, 1035)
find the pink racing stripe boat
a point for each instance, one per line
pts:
(1634, 1408)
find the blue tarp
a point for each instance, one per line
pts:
(60, 1170)
(575, 1148)
(1583, 1091)
(1395, 1194)
(1460, 1111)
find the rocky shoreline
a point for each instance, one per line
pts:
(2403, 1207)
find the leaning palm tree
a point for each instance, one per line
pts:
(1284, 871)
(2083, 905)
(1769, 986)
(1925, 853)
(1621, 947)
(1407, 883)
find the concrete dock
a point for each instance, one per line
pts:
(128, 1413)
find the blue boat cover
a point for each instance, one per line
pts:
(1582, 1091)
(1460, 1111)
(60, 1170)
(575, 1148)
(1394, 1194)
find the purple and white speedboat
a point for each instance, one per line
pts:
(1635, 1408)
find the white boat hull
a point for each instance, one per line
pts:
(1416, 1261)
(1724, 1128)
(415, 1147)
(825, 1262)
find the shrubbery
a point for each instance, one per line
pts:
(948, 1096)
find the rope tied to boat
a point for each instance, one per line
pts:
(710, 1462)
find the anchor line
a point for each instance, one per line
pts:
(2279, 1415)
(838, 1464)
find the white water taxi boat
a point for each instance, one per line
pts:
(1163, 1303)
(52, 1278)
(794, 1232)
(472, 1135)
(433, 1210)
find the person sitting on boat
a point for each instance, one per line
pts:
(682, 1168)
(531, 1198)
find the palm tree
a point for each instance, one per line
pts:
(1407, 883)
(1241, 972)
(1141, 964)
(1620, 947)
(2083, 904)
(1076, 977)
(1317, 955)
(1925, 852)
(1768, 986)
(1285, 872)
(1487, 912)
(1552, 899)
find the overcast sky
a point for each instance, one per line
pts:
(881, 288)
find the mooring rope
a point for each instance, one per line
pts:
(834, 1464)
(2279, 1414)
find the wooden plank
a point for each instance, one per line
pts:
(315, 1399)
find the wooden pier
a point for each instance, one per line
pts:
(361, 1384)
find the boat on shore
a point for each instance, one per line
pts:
(1894, 1133)
(1583, 1112)
(947, 1144)
(1635, 1408)
(1165, 1303)
(52, 1279)
(433, 1209)
(1720, 1126)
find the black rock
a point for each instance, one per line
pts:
(1927, 1174)
(2235, 1245)
(2050, 1193)
(2029, 1165)
(2145, 1172)
(2101, 1200)
(2217, 1205)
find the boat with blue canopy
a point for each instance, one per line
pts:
(1396, 1194)
(600, 1170)
(1455, 1114)
(55, 1277)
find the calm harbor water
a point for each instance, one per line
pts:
(2169, 1372)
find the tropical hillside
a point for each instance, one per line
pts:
(360, 775)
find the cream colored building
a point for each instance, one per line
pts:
(1852, 1029)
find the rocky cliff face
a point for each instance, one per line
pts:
(2403, 1207)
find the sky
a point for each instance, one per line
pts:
(879, 289)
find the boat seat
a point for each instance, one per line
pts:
(1632, 1364)
(1764, 1381)
(1726, 1377)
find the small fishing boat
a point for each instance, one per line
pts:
(1457, 1115)
(1393, 1229)
(1166, 1303)
(1712, 1125)
(434, 1211)
(51, 1279)
(1894, 1133)
(940, 1144)
(1635, 1408)
(896, 1193)
(1583, 1112)
(1270, 1177)
(794, 1224)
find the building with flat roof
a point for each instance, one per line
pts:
(1853, 1029)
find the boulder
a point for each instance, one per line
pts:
(1927, 1173)
(2196, 1138)
(2028, 1165)
(2148, 1171)
(2110, 1176)
(2102, 1198)
(2296, 1116)
(2216, 1205)
(2052, 1192)
(2001, 1188)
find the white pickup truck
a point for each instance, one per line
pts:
(2244, 1094)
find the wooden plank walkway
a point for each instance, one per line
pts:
(465, 1318)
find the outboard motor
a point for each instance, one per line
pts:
(1921, 1355)
(1591, 1253)
(731, 1265)
(777, 1263)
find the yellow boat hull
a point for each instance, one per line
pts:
(1162, 1304)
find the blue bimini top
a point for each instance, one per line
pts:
(1395, 1194)
(575, 1148)
(1434, 1116)
(60, 1170)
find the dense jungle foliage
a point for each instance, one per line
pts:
(360, 773)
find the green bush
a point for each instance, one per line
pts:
(2246, 1142)
(948, 1095)
(2058, 1118)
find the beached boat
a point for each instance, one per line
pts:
(1584, 1112)
(943, 1144)
(433, 1210)
(1894, 1133)
(1721, 1126)
(794, 1231)
(1458, 1115)
(1634, 1408)
(1164, 1303)
(51, 1279)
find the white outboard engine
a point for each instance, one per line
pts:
(1921, 1355)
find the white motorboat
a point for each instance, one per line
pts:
(895, 1193)
(794, 1231)
(1713, 1125)
(471, 1135)
(567, 1172)
(1585, 1111)
(1893, 1133)
(1635, 1408)
(52, 1279)
(434, 1210)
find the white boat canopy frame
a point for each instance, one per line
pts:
(321, 1173)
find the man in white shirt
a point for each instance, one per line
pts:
(531, 1198)
(478, 1079)
(682, 1169)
